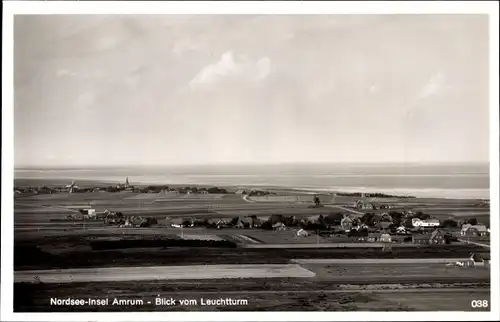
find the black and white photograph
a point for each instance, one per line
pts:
(256, 162)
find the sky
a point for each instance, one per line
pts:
(95, 90)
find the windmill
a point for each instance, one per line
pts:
(71, 187)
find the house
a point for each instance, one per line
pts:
(401, 230)
(437, 237)
(241, 192)
(398, 238)
(247, 222)
(88, 213)
(417, 222)
(474, 230)
(420, 239)
(256, 222)
(302, 233)
(481, 259)
(221, 223)
(279, 226)
(359, 204)
(385, 238)
(362, 238)
(373, 237)
(346, 223)
(179, 222)
(369, 206)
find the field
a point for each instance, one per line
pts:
(101, 258)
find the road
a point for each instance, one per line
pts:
(109, 274)
(474, 243)
(245, 197)
(346, 209)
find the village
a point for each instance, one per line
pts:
(359, 221)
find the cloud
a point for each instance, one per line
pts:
(434, 86)
(183, 46)
(229, 66)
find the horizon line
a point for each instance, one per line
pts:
(66, 166)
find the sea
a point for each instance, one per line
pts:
(462, 181)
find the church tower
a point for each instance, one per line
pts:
(127, 184)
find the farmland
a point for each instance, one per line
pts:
(45, 240)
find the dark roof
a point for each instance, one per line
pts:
(435, 233)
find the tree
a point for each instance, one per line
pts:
(274, 219)
(266, 225)
(472, 221)
(333, 219)
(422, 216)
(408, 222)
(367, 219)
(316, 201)
(235, 221)
(449, 223)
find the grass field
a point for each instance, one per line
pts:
(382, 270)
(200, 205)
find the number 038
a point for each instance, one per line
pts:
(479, 303)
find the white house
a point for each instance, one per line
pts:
(302, 233)
(417, 222)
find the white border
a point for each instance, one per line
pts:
(268, 7)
